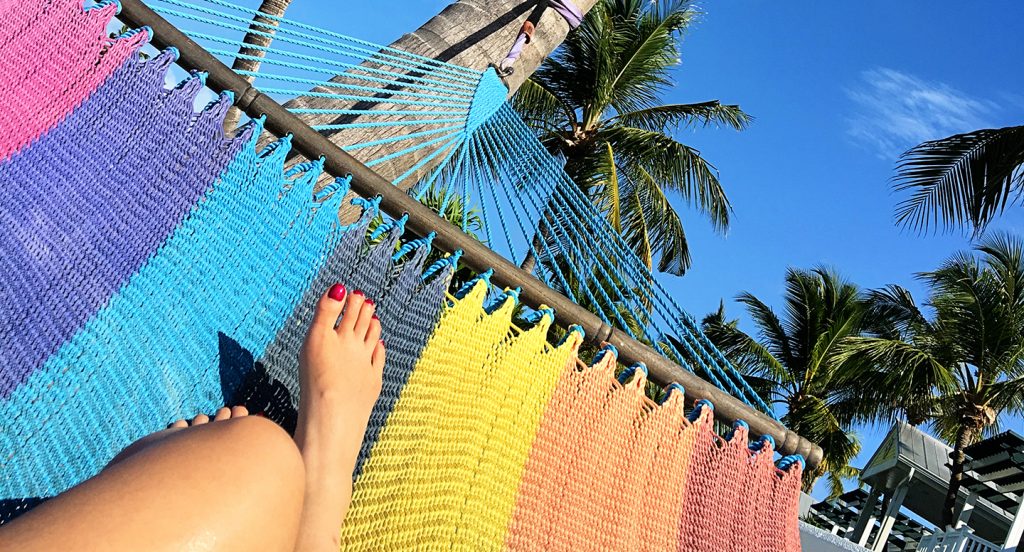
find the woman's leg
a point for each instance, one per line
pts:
(240, 483)
(224, 413)
(232, 485)
(340, 373)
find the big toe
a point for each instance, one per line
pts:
(328, 309)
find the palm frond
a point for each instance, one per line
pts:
(744, 351)
(892, 313)
(674, 166)
(893, 368)
(661, 226)
(962, 180)
(660, 117)
(774, 336)
(1007, 396)
(638, 233)
(646, 49)
(611, 193)
(536, 104)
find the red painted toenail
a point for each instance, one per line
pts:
(369, 302)
(359, 292)
(375, 316)
(337, 292)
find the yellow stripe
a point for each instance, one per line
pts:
(446, 467)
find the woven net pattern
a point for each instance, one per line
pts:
(445, 469)
(91, 200)
(195, 260)
(53, 55)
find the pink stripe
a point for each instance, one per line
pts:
(52, 57)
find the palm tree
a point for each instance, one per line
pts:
(469, 33)
(962, 180)
(961, 368)
(596, 102)
(793, 357)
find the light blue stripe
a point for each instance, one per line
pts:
(159, 334)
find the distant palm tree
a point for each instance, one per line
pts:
(962, 180)
(959, 369)
(596, 101)
(792, 360)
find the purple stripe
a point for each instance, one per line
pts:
(83, 207)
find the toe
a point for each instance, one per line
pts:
(377, 360)
(352, 309)
(328, 309)
(373, 333)
(366, 316)
(180, 423)
(239, 412)
(200, 419)
(223, 414)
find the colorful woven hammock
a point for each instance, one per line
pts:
(154, 268)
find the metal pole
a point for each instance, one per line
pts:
(422, 220)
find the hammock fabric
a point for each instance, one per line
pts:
(155, 268)
(501, 441)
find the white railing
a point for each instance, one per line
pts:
(956, 540)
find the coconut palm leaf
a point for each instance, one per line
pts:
(539, 107)
(962, 180)
(774, 337)
(600, 93)
(660, 117)
(673, 166)
(795, 356)
(744, 352)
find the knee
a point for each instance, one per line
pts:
(265, 447)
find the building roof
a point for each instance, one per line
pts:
(907, 448)
(995, 470)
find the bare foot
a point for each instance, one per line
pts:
(224, 413)
(340, 372)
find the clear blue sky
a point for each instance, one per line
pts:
(838, 90)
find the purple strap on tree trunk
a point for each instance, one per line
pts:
(569, 12)
(572, 15)
(90, 201)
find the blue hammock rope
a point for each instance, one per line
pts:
(446, 131)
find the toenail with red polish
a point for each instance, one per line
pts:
(359, 292)
(337, 292)
(370, 302)
(375, 316)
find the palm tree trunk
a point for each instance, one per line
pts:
(530, 262)
(964, 437)
(470, 33)
(275, 9)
